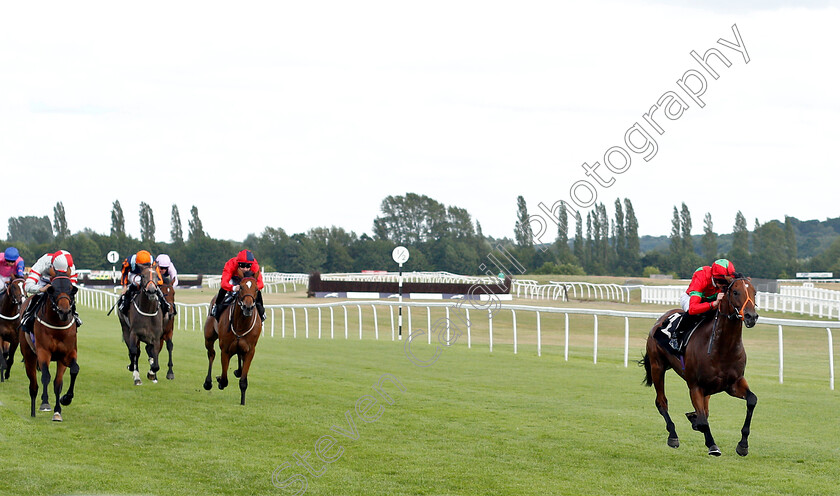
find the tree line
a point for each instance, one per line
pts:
(440, 237)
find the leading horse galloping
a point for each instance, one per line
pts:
(55, 340)
(144, 323)
(238, 331)
(10, 305)
(714, 362)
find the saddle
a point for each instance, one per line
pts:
(676, 331)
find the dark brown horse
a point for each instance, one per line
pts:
(168, 323)
(144, 323)
(55, 340)
(10, 304)
(714, 362)
(238, 331)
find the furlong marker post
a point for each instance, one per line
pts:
(400, 255)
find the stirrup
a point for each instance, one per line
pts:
(78, 320)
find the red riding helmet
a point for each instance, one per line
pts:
(722, 268)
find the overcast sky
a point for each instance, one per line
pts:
(304, 114)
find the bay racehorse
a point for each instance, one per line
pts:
(714, 362)
(10, 305)
(55, 340)
(144, 323)
(238, 330)
(168, 323)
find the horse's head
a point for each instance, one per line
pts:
(62, 295)
(247, 297)
(15, 292)
(149, 281)
(740, 298)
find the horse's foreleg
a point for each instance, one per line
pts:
(3, 364)
(211, 356)
(238, 371)
(29, 364)
(700, 419)
(11, 358)
(169, 375)
(154, 366)
(742, 390)
(223, 379)
(45, 382)
(246, 366)
(58, 385)
(74, 371)
(134, 356)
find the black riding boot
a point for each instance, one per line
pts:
(216, 309)
(260, 306)
(28, 316)
(164, 305)
(76, 316)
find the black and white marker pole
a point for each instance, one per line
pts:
(113, 256)
(400, 255)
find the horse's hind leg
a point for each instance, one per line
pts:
(657, 373)
(169, 374)
(741, 390)
(3, 364)
(58, 385)
(700, 419)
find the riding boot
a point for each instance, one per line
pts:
(76, 316)
(260, 306)
(216, 309)
(164, 305)
(27, 317)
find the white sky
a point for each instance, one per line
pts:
(304, 114)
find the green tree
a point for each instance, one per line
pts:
(30, 229)
(117, 220)
(578, 244)
(620, 243)
(633, 244)
(60, 222)
(196, 228)
(676, 247)
(685, 231)
(522, 230)
(790, 248)
(710, 246)
(740, 252)
(459, 222)
(147, 224)
(770, 257)
(176, 233)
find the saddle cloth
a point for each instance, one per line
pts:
(676, 331)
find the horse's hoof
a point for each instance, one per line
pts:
(170, 375)
(742, 450)
(151, 376)
(57, 417)
(714, 450)
(66, 400)
(208, 385)
(45, 407)
(237, 373)
(138, 382)
(674, 442)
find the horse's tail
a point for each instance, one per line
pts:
(648, 380)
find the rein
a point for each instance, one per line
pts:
(235, 333)
(736, 313)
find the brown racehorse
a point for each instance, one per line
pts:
(10, 304)
(168, 323)
(714, 362)
(144, 323)
(55, 340)
(238, 331)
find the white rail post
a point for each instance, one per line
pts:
(429, 324)
(294, 323)
(272, 322)
(346, 326)
(566, 346)
(539, 336)
(375, 323)
(447, 325)
(781, 357)
(319, 322)
(595, 345)
(306, 321)
(283, 322)
(391, 309)
(513, 313)
(360, 321)
(332, 323)
(469, 332)
(490, 324)
(830, 358)
(626, 340)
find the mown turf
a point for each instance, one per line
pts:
(474, 422)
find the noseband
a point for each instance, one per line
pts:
(737, 313)
(61, 294)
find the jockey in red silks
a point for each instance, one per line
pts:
(232, 274)
(38, 281)
(707, 286)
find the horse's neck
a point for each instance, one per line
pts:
(145, 303)
(728, 335)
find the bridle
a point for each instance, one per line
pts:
(737, 313)
(240, 302)
(14, 297)
(56, 296)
